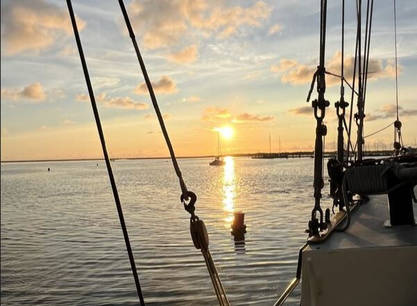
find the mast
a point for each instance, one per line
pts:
(218, 144)
(279, 144)
(270, 146)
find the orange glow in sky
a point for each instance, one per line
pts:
(226, 132)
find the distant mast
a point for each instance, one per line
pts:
(279, 144)
(270, 146)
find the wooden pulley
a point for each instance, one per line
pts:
(199, 234)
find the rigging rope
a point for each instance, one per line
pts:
(154, 102)
(319, 105)
(341, 104)
(396, 57)
(378, 131)
(398, 141)
(359, 116)
(106, 156)
(188, 198)
(368, 46)
(353, 92)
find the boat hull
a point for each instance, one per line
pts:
(369, 264)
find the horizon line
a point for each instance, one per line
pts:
(179, 157)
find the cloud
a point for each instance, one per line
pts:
(118, 102)
(215, 113)
(252, 75)
(164, 86)
(299, 74)
(33, 92)
(186, 55)
(296, 73)
(33, 25)
(223, 115)
(377, 68)
(389, 111)
(164, 22)
(246, 117)
(192, 99)
(274, 29)
(303, 110)
(284, 64)
(68, 122)
(153, 116)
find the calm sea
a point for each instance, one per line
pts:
(61, 242)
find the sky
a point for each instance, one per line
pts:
(247, 65)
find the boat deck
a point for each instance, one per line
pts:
(367, 229)
(368, 264)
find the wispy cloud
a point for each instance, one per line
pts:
(223, 115)
(284, 64)
(246, 117)
(33, 92)
(215, 113)
(68, 122)
(165, 85)
(117, 102)
(33, 25)
(191, 99)
(164, 22)
(274, 29)
(150, 116)
(389, 111)
(302, 110)
(187, 55)
(293, 72)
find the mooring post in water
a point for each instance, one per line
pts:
(238, 226)
(106, 156)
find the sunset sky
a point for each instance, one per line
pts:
(243, 64)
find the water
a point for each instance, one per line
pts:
(61, 241)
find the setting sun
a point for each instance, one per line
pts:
(226, 132)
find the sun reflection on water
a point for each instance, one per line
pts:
(229, 189)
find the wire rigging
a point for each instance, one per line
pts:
(378, 131)
(396, 57)
(188, 198)
(106, 156)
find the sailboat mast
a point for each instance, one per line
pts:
(270, 147)
(279, 144)
(218, 144)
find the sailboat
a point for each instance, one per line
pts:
(363, 253)
(218, 161)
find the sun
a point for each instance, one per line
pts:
(226, 132)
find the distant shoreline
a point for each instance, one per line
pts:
(95, 159)
(259, 155)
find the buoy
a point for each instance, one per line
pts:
(238, 226)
